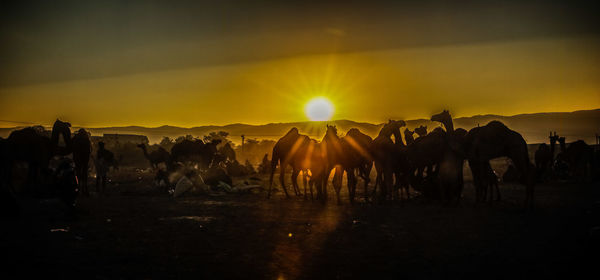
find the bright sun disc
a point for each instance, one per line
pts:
(319, 109)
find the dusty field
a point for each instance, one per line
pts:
(134, 231)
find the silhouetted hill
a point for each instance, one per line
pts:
(534, 127)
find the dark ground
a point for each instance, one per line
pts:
(135, 231)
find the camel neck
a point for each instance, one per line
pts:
(449, 125)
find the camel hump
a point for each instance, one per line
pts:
(353, 130)
(292, 131)
(497, 125)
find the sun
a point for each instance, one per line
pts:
(319, 109)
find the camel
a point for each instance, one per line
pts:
(408, 136)
(421, 131)
(444, 118)
(553, 140)
(390, 158)
(157, 156)
(579, 158)
(334, 158)
(104, 160)
(425, 153)
(543, 160)
(450, 167)
(356, 157)
(292, 149)
(496, 140)
(81, 148)
(195, 151)
(562, 143)
(33, 146)
(227, 152)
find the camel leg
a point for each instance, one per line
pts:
(98, 182)
(311, 182)
(282, 180)
(271, 182)
(295, 174)
(365, 176)
(337, 183)
(325, 182)
(304, 176)
(351, 184)
(378, 182)
(387, 182)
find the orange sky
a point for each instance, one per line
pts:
(372, 69)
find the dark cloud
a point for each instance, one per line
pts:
(44, 41)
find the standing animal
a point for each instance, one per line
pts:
(157, 156)
(82, 149)
(298, 151)
(104, 160)
(421, 131)
(450, 168)
(35, 147)
(579, 158)
(386, 155)
(543, 160)
(408, 136)
(195, 151)
(227, 152)
(496, 140)
(356, 156)
(334, 159)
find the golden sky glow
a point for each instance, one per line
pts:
(151, 63)
(501, 78)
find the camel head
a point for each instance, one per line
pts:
(553, 138)
(397, 124)
(441, 117)
(331, 130)
(293, 131)
(421, 131)
(444, 118)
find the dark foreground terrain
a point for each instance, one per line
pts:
(134, 231)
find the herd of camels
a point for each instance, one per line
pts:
(439, 155)
(431, 163)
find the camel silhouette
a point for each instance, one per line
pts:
(81, 148)
(33, 146)
(333, 156)
(157, 156)
(225, 154)
(421, 131)
(357, 157)
(543, 160)
(553, 140)
(296, 150)
(450, 168)
(423, 154)
(444, 118)
(496, 140)
(579, 158)
(104, 160)
(390, 159)
(195, 151)
(408, 136)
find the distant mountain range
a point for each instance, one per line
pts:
(535, 127)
